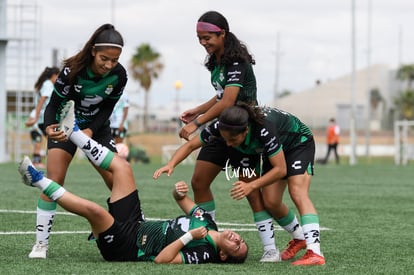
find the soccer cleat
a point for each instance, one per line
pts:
(67, 119)
(294, 246)
(269, 256)
(29, 173)
(310, 258)
(39, 251)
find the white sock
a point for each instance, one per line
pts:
(96, 153)
(45, 215)
(264, 224)
(310, 225)
(294, 229)
(50, 188)
(312, 235)
(44, 221)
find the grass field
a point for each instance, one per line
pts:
(366, 212)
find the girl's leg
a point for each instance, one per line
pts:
(58, 161)
(99, 219)
(273, 195)
(299, 192)
(204, 174)
(264, 224)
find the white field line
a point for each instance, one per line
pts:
(242, 227)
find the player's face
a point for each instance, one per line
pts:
(233, 140)
(232, 244)
(105, 60)
(213, 43)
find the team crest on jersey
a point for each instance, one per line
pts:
(109, 89)
(199, 214)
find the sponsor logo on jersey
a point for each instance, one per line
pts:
(297, 165)
(109, 89)
(77, 88)
(66, 90)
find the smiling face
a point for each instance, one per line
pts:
(232, 244)
(213, 43)
(104, 60)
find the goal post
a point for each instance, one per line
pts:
(404, 141)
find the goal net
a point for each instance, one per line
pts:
(404, 141)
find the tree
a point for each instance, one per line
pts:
(406, 73)
(145, 66)
(405, 104)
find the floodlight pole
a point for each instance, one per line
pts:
(352, 158)
(276, 93)
(368, 127)
(3, 92)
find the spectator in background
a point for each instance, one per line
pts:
(119, 125)
(332, 139)
(118, 119)
(44, 89)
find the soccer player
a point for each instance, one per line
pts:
(232, 76)
(44, 89)
(122, 233)
(95, 80)
(278, 150)
(119, 119)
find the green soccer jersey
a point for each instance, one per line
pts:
(154, 236)
(94, 96)
(236, 74)
(280, 130)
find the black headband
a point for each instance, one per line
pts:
(225, 126)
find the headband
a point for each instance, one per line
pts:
(225, 126)
(108, 45)
(207, 27)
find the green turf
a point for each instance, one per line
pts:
(368, 209)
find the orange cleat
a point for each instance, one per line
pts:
(294, 246)
(310, 258)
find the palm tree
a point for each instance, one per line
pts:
(406, 73)
(145, 66)
(405, 104)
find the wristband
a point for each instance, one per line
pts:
(186, 238)
(196, 123)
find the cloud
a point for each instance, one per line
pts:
(314, 37)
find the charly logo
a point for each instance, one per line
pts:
(237, 172)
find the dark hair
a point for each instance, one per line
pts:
(234, 49)
(47, 73)
(104, 34)
(235, 119)
(236, 260)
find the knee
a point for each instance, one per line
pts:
(199, 184)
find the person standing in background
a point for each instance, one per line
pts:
(119, 125)
(44, 89)
(332, 139)
(119, 119)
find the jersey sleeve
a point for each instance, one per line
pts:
(270, 138)
(235, 74)
(210, 133)
(202, 254)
